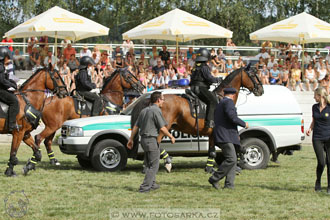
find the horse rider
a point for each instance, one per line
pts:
(201, 79)
(84, 84)
(7, 87)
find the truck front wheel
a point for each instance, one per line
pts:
(257, 154)
(109, 155)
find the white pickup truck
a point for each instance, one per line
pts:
(275, 119)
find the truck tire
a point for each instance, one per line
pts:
(257, 154)
(84, 163)
(109, 155)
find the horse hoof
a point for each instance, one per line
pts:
(168, 167)
(10, 172)
(55, 162)
(25, 170)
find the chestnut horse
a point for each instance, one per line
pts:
(33, 92)
(57, 111)
(176, 110)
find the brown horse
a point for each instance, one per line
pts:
(33, 92)
(57, 111)
(177, 112)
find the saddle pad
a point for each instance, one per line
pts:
(82, 107)
(201, 106)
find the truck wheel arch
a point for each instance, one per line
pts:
(260, 133)
(102, 135)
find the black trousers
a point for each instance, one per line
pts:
(11, 100)
(209, 98)
(322, 151)
(228, 166)
(95, 99)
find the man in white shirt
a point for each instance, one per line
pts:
(263, 53)
(271, 62)
(85, 52)
(158, 81)
(50, 59)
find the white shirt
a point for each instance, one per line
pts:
(264, 55)
(270, 64)
(87, 53)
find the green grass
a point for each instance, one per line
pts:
(284, 191)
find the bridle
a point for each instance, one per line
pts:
(252, 74)
(127, 76)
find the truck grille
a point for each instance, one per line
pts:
(64, 131)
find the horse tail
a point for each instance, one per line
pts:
(135, 114)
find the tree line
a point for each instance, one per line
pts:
(240, 16)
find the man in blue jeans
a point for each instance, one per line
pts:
(226, 137)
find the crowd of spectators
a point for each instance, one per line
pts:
(158, 67)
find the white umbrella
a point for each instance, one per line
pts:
(299, 29)
(179, 26)
(58, 23)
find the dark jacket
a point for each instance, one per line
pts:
(226, 122)
(5, 82)
(84, 81)
(201, 75)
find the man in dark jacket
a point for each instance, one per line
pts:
(7, 87)
(84, 84)
(201, 79)
(226, 137)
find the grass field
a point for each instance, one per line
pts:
(284, 191)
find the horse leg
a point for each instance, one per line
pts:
(13, 160)
(212, 155)
(48, 143)
(47, 134)
(36, 157)
(164, 155)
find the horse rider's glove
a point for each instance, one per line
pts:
(11, 89)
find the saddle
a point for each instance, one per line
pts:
(84, 107)
(194, 102)
(31, 114)
(81, 105)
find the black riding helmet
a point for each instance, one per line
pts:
(85, 60)
(5, 52)
(203, 55)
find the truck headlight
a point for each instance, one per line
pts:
(75, 132)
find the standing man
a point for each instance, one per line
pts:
(226, 137)
(151, 122)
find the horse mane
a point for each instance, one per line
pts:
(31, 77)
(228, 80)
(109, 78)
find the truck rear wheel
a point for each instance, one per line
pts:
(109, 155)
(257, 154)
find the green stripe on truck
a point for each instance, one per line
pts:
(273, 121)
(107, 125)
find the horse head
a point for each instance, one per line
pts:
(130, 80)
(251, 80)
(123, 78)
(44, 79)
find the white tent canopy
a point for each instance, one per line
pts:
(299, 29)
(58, 23)
(177, 25)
